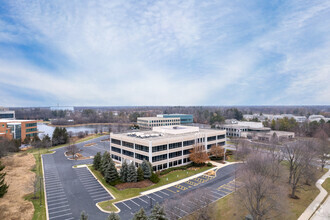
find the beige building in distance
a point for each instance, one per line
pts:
(165, 146)
(150, 122)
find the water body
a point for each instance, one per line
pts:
(45, 129)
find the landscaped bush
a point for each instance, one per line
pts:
(113, 183)
(163, 172)
(209, 164)
(154, 178)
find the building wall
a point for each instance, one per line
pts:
(156, 122)
(164, 152)
(4, 131)
(28, 128)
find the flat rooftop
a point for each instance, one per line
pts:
(164, 132)
(155, 118)
(14, 120)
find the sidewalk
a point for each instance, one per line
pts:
(218, 166)
(317, 201)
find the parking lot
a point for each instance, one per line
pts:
(73, 190)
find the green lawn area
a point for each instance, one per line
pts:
(40, 210)
(326, 185)
(129, 193)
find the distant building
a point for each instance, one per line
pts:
(241, 128)
(164, 120)
(62, 108)
(164, 147)
(150, 122)
(5, 114)
(184, 118)
(18, 129)
(317, 118)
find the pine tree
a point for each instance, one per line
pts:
(83, 216)
(140, 215)
(105, 161)
(3, 185)
(146, 169)
(132, 175)
(111, 173)
(113, 216)
(97, 161)
(157, 213)
(124, 172)
(140, 176)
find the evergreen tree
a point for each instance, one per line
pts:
(83, 216)
(111, 173)
(3, 185)
(140, 215)
(60, 136)
(105, 161)
(157, 213)
(140, 174)
(113, 216)
(132, 175)
(46, 141)
(146, 169)
(97, 161)
(124, 172)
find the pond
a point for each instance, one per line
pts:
(45, 129)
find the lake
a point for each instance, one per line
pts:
(45, 129)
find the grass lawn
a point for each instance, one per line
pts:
(40, 210)
(326, 185)
(227, 208)
(129, 193)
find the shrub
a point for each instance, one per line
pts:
(209, 164)
(113, 183)
(154, 178)
(163, 172)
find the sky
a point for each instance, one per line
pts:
(127, 53)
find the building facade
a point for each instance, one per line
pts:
(184, 118)
(18, 129)
(164, 147)
(6, 114)
(150, 122)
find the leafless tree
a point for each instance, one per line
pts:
(198, 154)
(322, 147)
(242, 149)
(217, 151)
(73, 150)
(299, 155)
(261, 194)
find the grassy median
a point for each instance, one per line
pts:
(133, 192)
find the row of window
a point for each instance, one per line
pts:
(175, 154)
(175, 145)
(116, 157)
(159, 158)
(213, 138)
(115, 149)
(170, 164)
(115, 141)
(141, 148)
(187, 143)
(141, 157)
(31, 125)
(128, 144)
(159, 148)
(31, 129)
(128, 153)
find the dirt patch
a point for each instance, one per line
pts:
(20, 180)
(141, 184)
(78, 156)
(211, 173)
(89, 145)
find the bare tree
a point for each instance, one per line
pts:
(322, 147)
(299, 155)
(73, 150)
(261, 194)
(242, 149)
(217, 151)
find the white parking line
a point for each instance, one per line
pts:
(95, 193)
(151, 197)
(134, 202)
(181, 210)
(142, 200)
(52, 197)
(107, 197)
(163, 193)
(91, 190)
(126, 205)
(60, 215)
(53, 185)
(157, 195)
(50, 201)
(68, 218)
(54, 190)
(57, 203)
(100, 195)
(64, 210)
(58, 207)
(91, 184)
(87, 181)
(50, 194)
(52, 180)
(217, 193)
(91, 187)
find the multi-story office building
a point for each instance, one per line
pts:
(18, 129)
(165, 146)
(6, 114)
(150, 122)
(184, 118)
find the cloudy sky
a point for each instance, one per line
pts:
(167, 52)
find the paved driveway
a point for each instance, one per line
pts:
(73, 190)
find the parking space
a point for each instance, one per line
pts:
(92, 186)
(58, 204)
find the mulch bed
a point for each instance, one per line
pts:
(141, 184)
